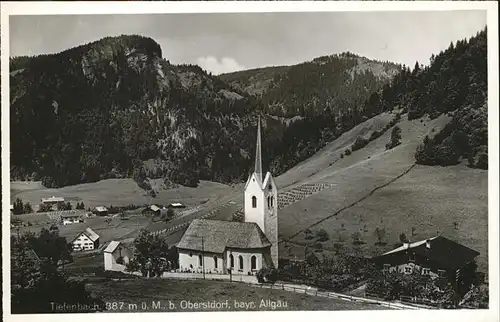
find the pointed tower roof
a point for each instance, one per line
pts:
(258, 153)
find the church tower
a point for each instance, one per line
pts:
(261, 202)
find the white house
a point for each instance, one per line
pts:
(176, 205)
(86, 240)
(116, 256)
(68, 219)
(241, 247)
(52, 200)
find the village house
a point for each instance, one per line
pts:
(72, 218)
(52, 200)
(153, 210)
(101, 211)
(86, 240)
(116, 256)
(237, 247)
(436, 257)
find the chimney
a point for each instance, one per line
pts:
(428, 243)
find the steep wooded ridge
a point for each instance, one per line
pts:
(103, 109)
(98, 110)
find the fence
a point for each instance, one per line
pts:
(339, 296)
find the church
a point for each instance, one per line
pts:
(223, 247)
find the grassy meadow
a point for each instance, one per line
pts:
(139, 291)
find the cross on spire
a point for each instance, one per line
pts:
(258, 153)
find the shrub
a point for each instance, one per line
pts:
(267, 274)
(347, 152)
(359, 143)
(322, 235)
(395, 138)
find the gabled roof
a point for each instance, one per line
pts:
(154, 208)
(219, 235)
(112, 246)
(91, 234)
(101, 208)
(443, 251)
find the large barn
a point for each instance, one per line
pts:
(237, 247)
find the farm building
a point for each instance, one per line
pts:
(86, 240)
(116, 255)
(53, 200)
(101, 211)
(176, 205)
(72, 218)
(237, 247)
(436, 257)
(153, 210)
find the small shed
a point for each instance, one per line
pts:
(116, 256)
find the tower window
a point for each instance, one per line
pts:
(254, 202)
(272, 201)
(269, 202)
(270, 187)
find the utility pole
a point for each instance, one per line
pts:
(203, 255)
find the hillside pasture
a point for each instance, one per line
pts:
(119, 192)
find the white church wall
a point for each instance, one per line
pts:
(246, 257)
(190, 260)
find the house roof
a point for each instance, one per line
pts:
(71, 215)
(443, 251)
(112, 246)
(91, 234)
(101, 208)
(176, 204)
(154, 208)
(219, 235)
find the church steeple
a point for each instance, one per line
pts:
(258, 154)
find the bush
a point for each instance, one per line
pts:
(269, 275)
(359, 143)
(395, 138)
(347, 152)
(322, 235)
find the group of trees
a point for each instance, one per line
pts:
(152, 256)
(19, 207)
(332, 272)
(35, 276)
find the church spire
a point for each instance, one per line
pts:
(258, 153)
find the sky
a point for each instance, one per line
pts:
(228, 42)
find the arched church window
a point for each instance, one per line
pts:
(231, 261)
(200, 260)
(254, 202)
(215, 261)
(253, 262)
(272, 201)
(240, 260)
(268, 202)
(270, 187)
